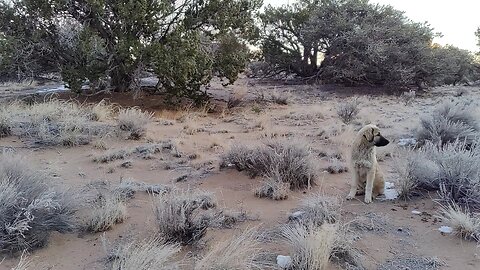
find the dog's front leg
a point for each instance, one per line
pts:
(369, 186)
(353, 185)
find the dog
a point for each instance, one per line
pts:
(367, 177)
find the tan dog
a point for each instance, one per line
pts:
(367, 176)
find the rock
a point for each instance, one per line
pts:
(390, 192)
(415, 212)
(284, 261)
(445, 229)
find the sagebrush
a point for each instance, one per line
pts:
(280, 160)
(449, 122)
(348, 111)
(453, 170)
(179, 216)
(31, 207)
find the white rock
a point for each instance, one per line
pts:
(284, 261)
(390, 192)
(445, 229)
(415, 212)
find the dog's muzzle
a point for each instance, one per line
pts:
(381, 141)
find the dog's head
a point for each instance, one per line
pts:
(371, 134)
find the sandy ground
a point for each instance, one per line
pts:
(393, 238)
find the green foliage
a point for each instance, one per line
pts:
(186, 43)
(360, 43)
(183, 64)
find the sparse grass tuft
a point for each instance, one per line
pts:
(240, 252)
(448, 123)
(30, 207)
(133, 121)
(179, 217)
(280, 160)
(349, 110)
(464, 223)
(149, 254)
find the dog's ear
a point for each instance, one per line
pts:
(368, 135)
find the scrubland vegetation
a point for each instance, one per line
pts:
(102, 48)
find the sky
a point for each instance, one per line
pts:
(457, 20)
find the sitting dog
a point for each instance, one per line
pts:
(367, 176)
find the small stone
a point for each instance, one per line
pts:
(445, 229)
(284, 261)
(415, 212)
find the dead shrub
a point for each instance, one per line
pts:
(31, 208)
(283, 160)
(348, 111)
(448, 123)
(133, 121)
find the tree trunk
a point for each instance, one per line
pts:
(120, 78)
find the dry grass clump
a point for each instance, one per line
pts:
(349, 110)
(336, 167)
(280, 160)
(52, 122)
(101, 111)
(149, 254)
(464, 223)
(274, 189)
(239, 252)
(133, 121)
(106, 212)
(281, 98)
(453, 170)
(179, 215)
(30, 207)
(146, 151)
(317, 209)
(448, 123)
(408, 97)
(310, 245)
